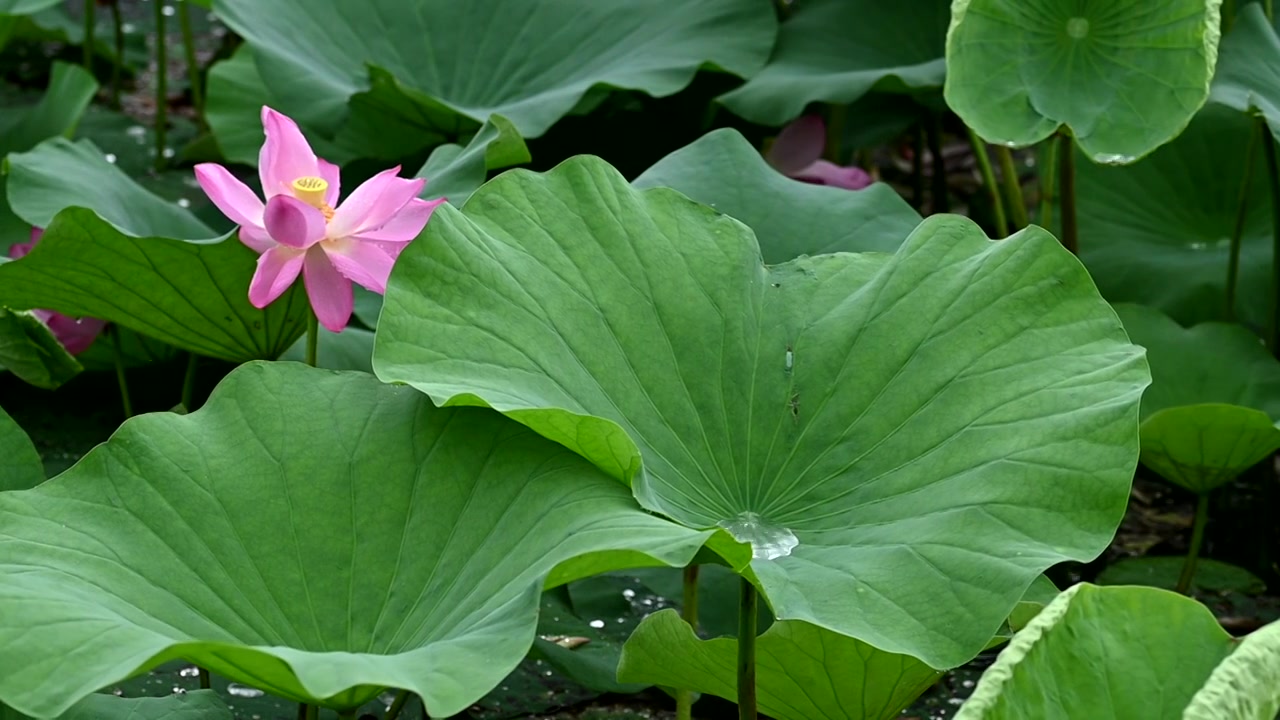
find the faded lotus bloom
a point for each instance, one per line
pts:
(303, 229)
(75, 334)
(797, 153)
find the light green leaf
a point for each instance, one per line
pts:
(454, 171)
(30, 351)
(195, 705)
(790, 218)
(1158, 232)
(20, 466)
(1069, 658)
(802, 672)
(1125, 76)
(136, 260)
(1248, 75)
(445, 67)
(836, 51)
(234, 98)
(885, 431)
(1245, 686)
(318, 535)
(1162, 572)
(1215, 395)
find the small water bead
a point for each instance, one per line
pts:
(167, 10)
(189, 672)
(168, 152)
(110, 157)
(1078, 27)
(629, 594)
(767, 541)
(178, 690)
(597, 624)
(244, 691)
(1114, 159)
(184, 203)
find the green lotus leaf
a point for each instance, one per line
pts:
(882, 432)
(196, 705)
(1215, 393)
(802, 672)
(314, 534)
(70, 90)
(20, 466)
(136, 260)
(24, 7)
(790, 218)
(455, 171)
(1163, 572)
(1248, 76)
(1125, 76)
(1069, 657)
(1158, 232)
(30, 351)
(836, 51)
(445, 67)
(1246, 686)
(351, 349)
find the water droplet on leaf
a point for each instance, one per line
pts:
(767, 541)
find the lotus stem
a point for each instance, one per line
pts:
(747, 609)
(689, 612)
(989, 181)
(917, 168)
(117, 23)
(1193, 551)
(205, 680)
(118, 355)
(1228, 15)
(347, 714)
(941, 196)
(189, 53)
(1242, 211)
(308, 712)
(1067, 190)
(1269, 7)
(1047, 177)
(1273, 181)
(189, 381)
(1012, 188)
(393, 712)
(162, 90)
(90, 21)
(313, 338)
(836, 115)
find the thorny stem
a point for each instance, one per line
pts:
(189, 381)
(1012, 188)
(162, 90)
(402, 699)
(1193, 551)
(1067, 189)
(747, 605)
(989, 181)
(189, 52)
(118, 24)
(90, 21)
(689, 612)
(313, 338)
(1047, 177)
(1273, 181)
(121, 380)
(1242, 211)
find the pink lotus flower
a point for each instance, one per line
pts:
(797, 153)
(75, 334)
(303, 229)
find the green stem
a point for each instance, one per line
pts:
(205, 680)
(1228, 15)
(1193, 551)
(989, 181)
(917, 168)
(313, 338)
(309, 712)
(189, 52)
(1242, 210)
(402, 699)
(121, 380)
(1047, 177)
(1067, 189)
(1012, 188)
(162, 90)
(116, 75)
(189, 381)
(941, 196)
(347, 714)
(1269, 7)
(689, 612)
(835, 132)
(1273, 181)
(90, 22)
(747, 605)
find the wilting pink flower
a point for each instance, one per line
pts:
(75, 334)
(303, 229)
(797, 153)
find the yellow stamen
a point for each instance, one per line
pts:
(310, 190)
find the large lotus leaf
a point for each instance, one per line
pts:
(836, 51)
(790, 218)
(1125, 76)
(1248, 75)
(116, 252)
(20, 466)
(1159, 232)
(196, 705)
(30, 351)
(1215, 395)
(905, 441)
(444, 65)
(315, 534)
(1070, 657)
(1163, 572)
(1246, 686)
(69, 92)
(24, 7)
(802, 672)
(351, 349)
